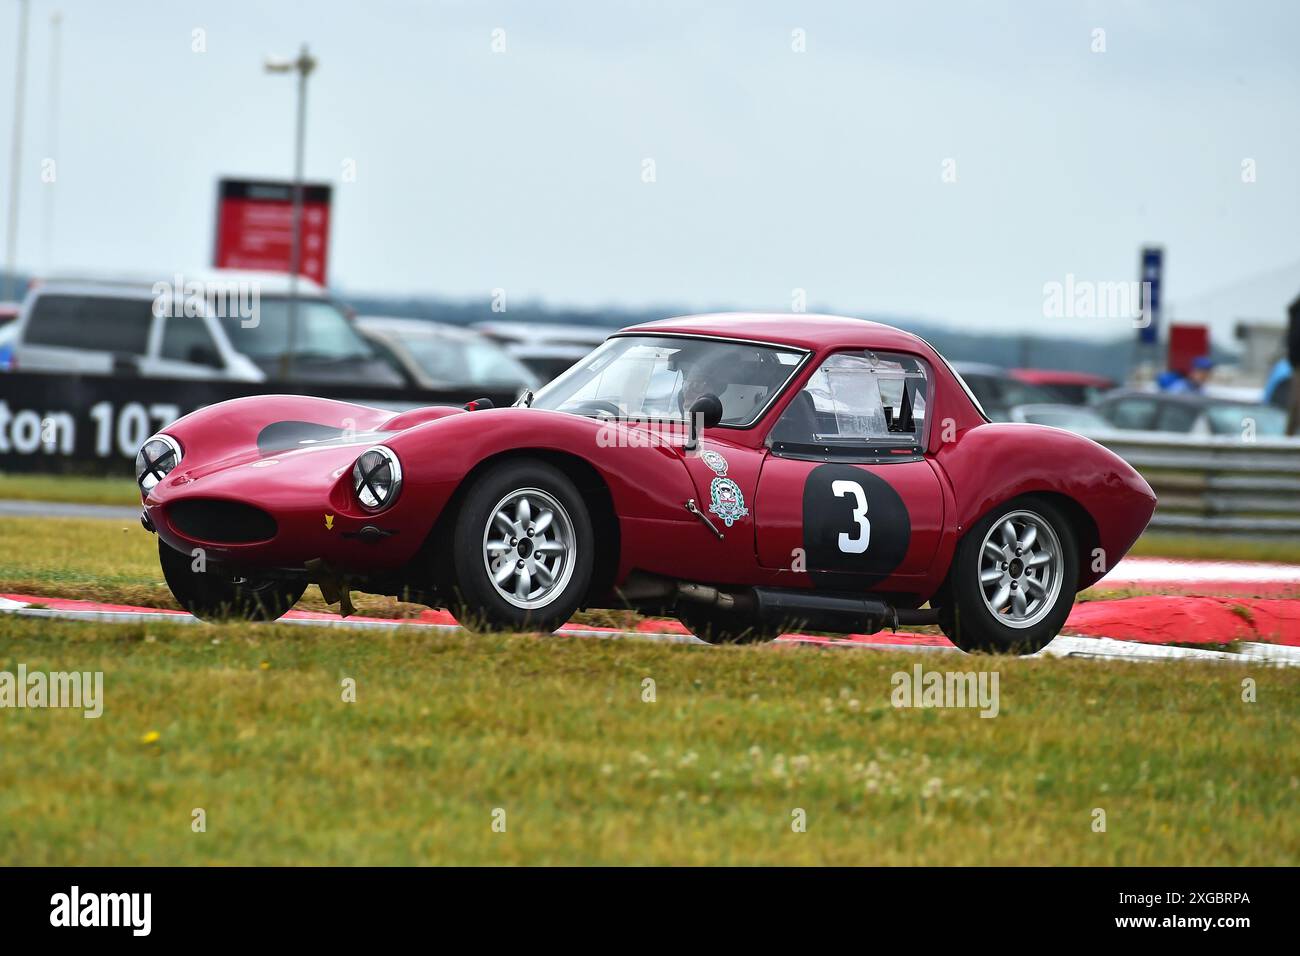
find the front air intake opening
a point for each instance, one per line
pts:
(224, 522)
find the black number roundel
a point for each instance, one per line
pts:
(853, 522)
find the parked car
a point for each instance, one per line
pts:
(132, 327)
(998, 392)
(546, 348)
(436, 355)
(1072, 388)
(8, 312)
(1073, 418)
(1190, 414)
(800, 480)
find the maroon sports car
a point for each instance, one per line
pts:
(744, 473)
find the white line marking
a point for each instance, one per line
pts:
(1140, 570)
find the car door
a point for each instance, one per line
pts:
(846, 492)
(183, 348)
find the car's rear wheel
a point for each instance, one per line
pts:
(215, 595)
(1012, 581)
(522, 549)
(723, 627)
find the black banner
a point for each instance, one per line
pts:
(91, 424)
(922, 910)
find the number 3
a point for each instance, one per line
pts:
(859, 544)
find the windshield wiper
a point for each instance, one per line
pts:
(525, 400)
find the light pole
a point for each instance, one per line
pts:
(20, 76)
(56, 22)
(303, 66)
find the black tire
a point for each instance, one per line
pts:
(478, 602)
(722, 627)
(216, 596)
(965, 611)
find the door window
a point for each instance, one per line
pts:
(1177, 417)
(857, 404)
(186, 339)
(1132, 413)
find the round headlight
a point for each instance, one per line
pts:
(377, 478)
(155, 460)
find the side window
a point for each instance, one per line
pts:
(186, 339)
(1177, 417)
(1133, 413)
(856, 403)
(97, 323)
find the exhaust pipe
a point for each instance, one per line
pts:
(813, 610)
(823, 612)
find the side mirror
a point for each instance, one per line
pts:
(705, 412)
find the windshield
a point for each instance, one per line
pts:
(660, 377)
(323, 332)
(472, 362)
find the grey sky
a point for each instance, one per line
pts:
(775, 169)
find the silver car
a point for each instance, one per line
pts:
(436, 355)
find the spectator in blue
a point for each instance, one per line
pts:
(1193, 382)
(1276, 388)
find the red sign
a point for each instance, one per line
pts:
(255, 227)
(1187, 342)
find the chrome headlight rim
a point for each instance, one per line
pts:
(361, 482)
(148, 470)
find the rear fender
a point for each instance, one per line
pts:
(994, 463)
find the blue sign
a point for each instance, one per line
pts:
(1153, 260)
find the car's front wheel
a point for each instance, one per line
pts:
(214, 595)
(522, 549)
(1012, 581)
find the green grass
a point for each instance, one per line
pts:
(447, 728)
(92, 559)
(1164, 545)
(70, 488)
(96, 560)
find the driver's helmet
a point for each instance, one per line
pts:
(703, 375)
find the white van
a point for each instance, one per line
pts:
(169, 329)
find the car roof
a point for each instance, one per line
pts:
(405, 326)
(808, 331)
(1060, 408)
(268, 283)
(1050, 376)
(1184, 398)
(979, 368)
(544, 332)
